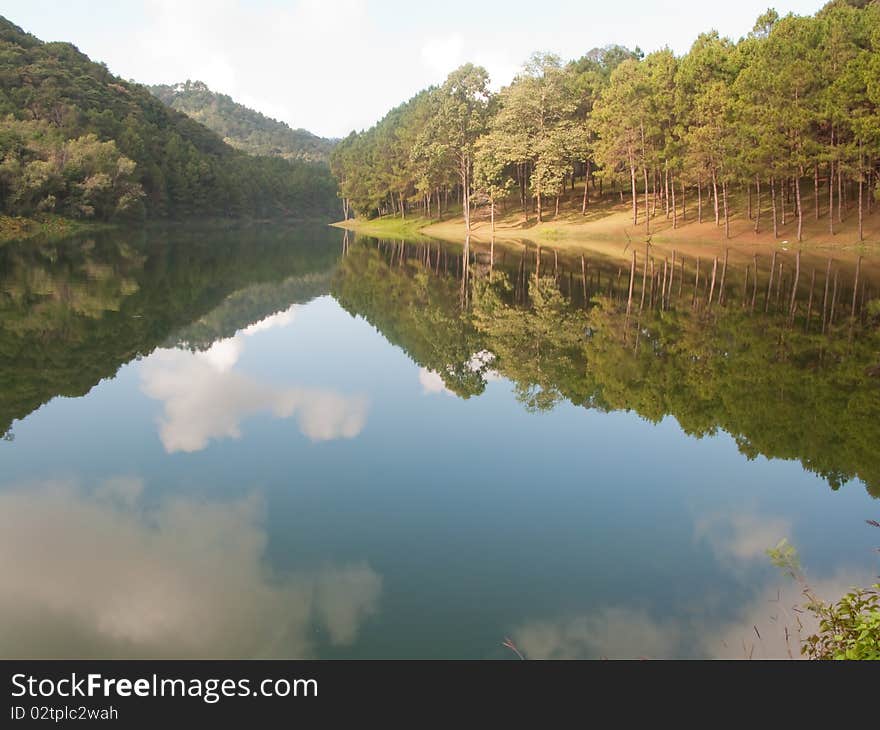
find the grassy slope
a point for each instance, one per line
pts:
(607, 228)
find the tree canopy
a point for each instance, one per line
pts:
(791, 105)
(78, 141)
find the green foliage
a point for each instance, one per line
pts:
(848, 628)
(793, 103)
(241, 127)
(78, 141)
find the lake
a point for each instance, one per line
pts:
(294, 442)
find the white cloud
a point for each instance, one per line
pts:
(277, 320)
(614, 633)
(204, 399)
(336, 65)
(766, 626)
(432, 382)
(739, 537)
(444, 54)
(84, 575)
(222, 355)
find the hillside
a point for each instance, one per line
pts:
(241, 127)
(79, 142)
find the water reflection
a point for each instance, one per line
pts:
(629, 519)
(796, 378)
(767, 624)
(98, 572)
(204, 398)
(72, 312)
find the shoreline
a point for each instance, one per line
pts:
(607, 229)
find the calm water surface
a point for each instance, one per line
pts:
(276, 443)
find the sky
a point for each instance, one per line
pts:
(333, 66)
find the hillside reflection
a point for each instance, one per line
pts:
(785, 367)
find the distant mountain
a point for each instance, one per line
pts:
(242, 127)
(77, 141)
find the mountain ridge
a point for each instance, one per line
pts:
(240, 126)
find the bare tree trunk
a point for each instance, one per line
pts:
(726, 216)
(647, 204)
(683, 203)
(782, 199)
(586, 187)
(632, 174)
(715, 196)
(758, 208)
(861, 186)
(816, 188)
(699, 200)
(773, 200)
(831, 197)
(666, 187)
(723, 276)
(800, 210)
(674, 210)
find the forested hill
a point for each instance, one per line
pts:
(77, 141)
(242, 127)
(785, 120)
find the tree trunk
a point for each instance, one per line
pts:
(773, 200)
(831, 197)
(586, 187)
(726, 216)
(782, 199)
(861, 186)
(666, 187)
(683, 203)
(632, 174)
(758, 207)
(715, 196)
(647, 204)
(674, 210)
(816, 188)
(800, 210)
(699, 200)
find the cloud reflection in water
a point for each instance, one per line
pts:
(98, 573)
